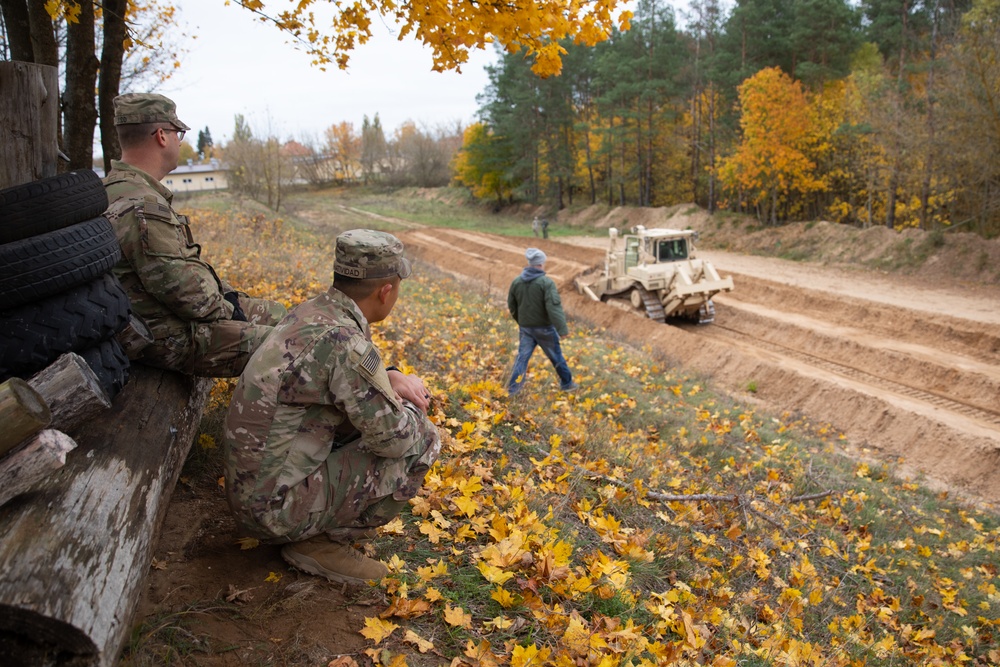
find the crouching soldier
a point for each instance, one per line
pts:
(323, 444)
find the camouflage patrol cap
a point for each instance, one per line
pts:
(136, 108)
(366, 253)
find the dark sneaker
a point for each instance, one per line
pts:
(334, 561)
(572, 386)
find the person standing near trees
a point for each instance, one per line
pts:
(545, 228)
(534, 303)
(535, 226)
(200, 324)
(322, 443)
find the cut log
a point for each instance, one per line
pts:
(23, 413)
(71, 390)
(74, 551)
(40, 455)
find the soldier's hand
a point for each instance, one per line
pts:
(410, 388)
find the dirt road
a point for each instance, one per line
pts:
(910, 373)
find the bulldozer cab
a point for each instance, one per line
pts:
(670, 250)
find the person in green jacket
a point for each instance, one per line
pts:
(533, 301)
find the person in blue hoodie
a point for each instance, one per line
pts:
(533, 301)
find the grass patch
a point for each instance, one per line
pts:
(645, 518)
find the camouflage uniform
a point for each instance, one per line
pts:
(170, 287)
(316, 440)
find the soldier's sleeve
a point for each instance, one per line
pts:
(512, 301)
(170, 267)
(389, 427)
(553, 305)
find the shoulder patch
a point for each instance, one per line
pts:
(371, 361)
(153, 208)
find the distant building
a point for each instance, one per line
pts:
(198, 177)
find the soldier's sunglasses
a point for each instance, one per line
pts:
(180, 133)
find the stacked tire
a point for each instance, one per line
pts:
(57, 292)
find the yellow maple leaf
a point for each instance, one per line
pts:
(394, 527)
(432, 594)
(273, 578)
(422, 644)
(493, 574)
(503, 597)
(377, 629)
(437, 569)
(457, 617)
(480, 653)
(466, 505)
(576, 638)
(248, 543)
(529, 656)
(498, 623)
(433, 533)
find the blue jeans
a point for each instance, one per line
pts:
(546, 338)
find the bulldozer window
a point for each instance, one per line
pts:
(631, 251)
(672, 250)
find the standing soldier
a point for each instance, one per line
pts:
(322, 443)
(545, 228)
(535, 226)
(534, 303)
(200, 324)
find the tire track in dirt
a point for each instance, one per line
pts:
(917, 388)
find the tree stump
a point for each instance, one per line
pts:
(75, 551)
(29, 122)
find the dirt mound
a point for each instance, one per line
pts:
(948, 258)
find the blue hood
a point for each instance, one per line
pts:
(531, 272)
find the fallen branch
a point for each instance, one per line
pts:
(735, 498)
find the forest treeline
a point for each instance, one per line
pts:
(878, 112)
(885, 112)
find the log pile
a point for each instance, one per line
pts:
(76, 547)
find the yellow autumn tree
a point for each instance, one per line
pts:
(475, 167)
(771, 170)
(450, 27)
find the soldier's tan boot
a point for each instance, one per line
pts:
(332, 560)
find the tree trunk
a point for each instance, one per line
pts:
(81, 81)
(925, 186)
(15, 18)
(711, 150)
(75, 551)
(43, 36)
(29, 122)
(112, 54)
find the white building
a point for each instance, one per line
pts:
(198, 177)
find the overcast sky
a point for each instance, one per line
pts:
(239, 65)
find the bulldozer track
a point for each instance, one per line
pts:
(865, 377)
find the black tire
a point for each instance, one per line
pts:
(110, 365)
(50, 203)
(35, 334)
(40, 266)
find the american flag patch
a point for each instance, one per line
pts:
(372, 361)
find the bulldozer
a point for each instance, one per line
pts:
(655, 273)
